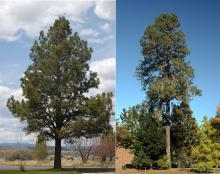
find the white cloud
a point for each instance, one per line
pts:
(89, 32)
(100, 40)
(105, 9)
(10, 127)
(6, 92)
(105, 69)
(11, 136)
(105, 27)
(32, 16)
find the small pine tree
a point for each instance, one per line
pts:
(207, 153)
(150, 139)
(40, 150)
(184, 134)
(215, 122)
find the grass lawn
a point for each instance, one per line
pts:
(63, 171)
(170, 171)
(65, 163)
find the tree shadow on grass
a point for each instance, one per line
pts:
(88, 170)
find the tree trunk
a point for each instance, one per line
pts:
(168, 133)
(103, 159)
(57, 156)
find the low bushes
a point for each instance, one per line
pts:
(21, 154)
(162, 163)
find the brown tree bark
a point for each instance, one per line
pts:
(168, 146)
(57, 155)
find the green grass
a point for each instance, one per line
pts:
(65, 163)
(63, 171)
(171, 171)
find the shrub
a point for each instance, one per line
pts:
(162, 163)
(175, 162)
(129, 166)
(204, 166)
(22, 154)
(155, 165)
(181, 160)
(141, 161)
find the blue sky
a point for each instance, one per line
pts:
(21, 22)
(200, 21)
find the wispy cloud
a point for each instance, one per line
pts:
(105, 9)
(32, 16)
(89, 32)
(105, 27)
(100, 40)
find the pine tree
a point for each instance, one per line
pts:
(164, 73)
(184, 132)
(55, 89)
(207, 153)
(128, 126)
(142, 132)
(215, 122)
(150, 139)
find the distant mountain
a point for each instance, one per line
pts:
(26, 145)
(11, 145)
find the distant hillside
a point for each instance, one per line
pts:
(25, 145)
(11, 145)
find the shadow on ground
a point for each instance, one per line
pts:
(90, 170)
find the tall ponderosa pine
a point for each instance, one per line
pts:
(54, 87)
(164, 73)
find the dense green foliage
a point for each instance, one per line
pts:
(150, 137)
(184, 134)
(55, 89)
(207, 153)
(127, 127)
(192, 146)
(162, 163)
(123, 137)
(145, 134)
(215, 122)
